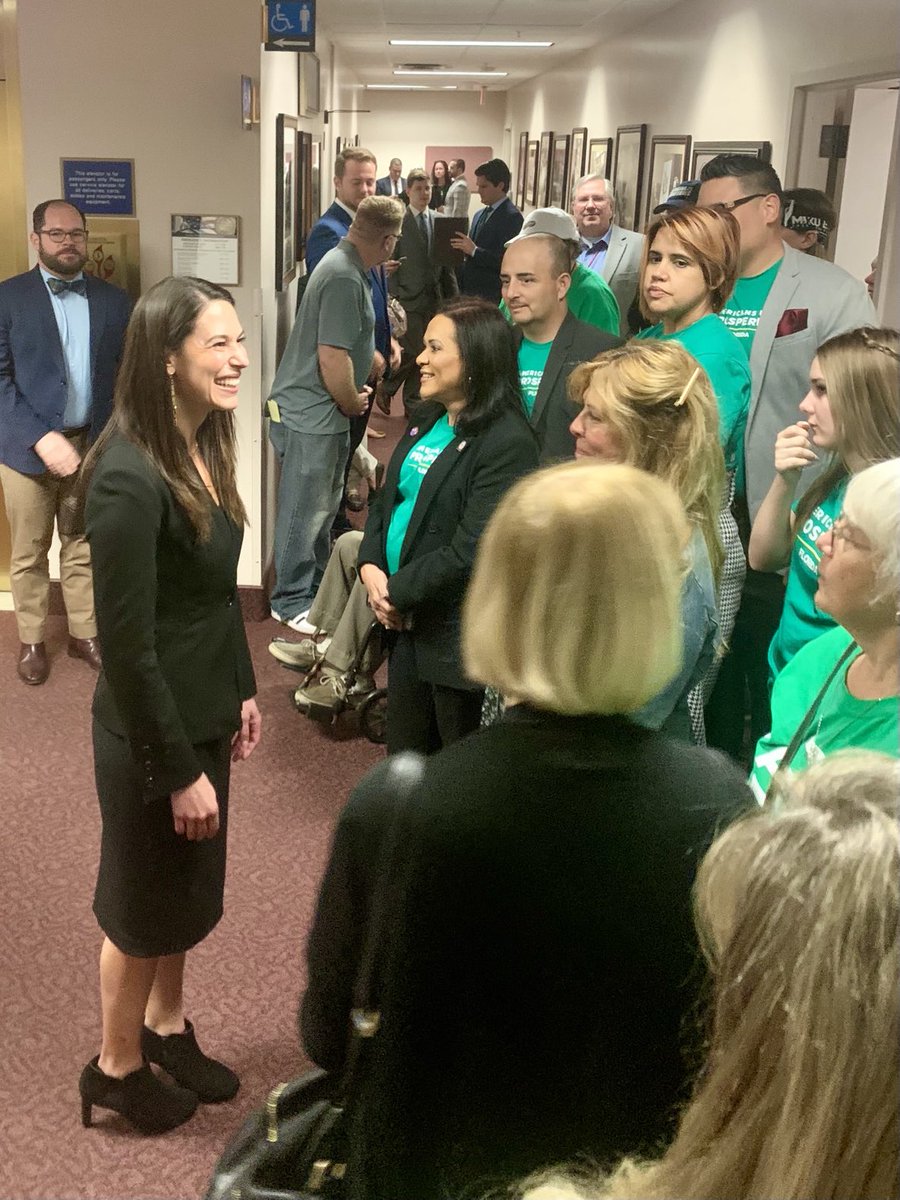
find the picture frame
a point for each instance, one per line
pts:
(543, 173)
(285, 201)
(207, 245)
(559, 171)
(308, 85)
(318, 157)
(599, 157)
(628, 174)
(531, 172)
(521, 164)
(577, 156)
(670, 157)
(704, 151)
(114, 252)
(305, 218)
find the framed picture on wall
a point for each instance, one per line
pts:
(285, 200)
(308, 82)
(577, 153)
(521, 165)
(304, 190)
(318, 151)
(543, 178)
(531, 172)
(704, 151)
(670, 156)
(599, 158)
(628, 174)
(559, 171)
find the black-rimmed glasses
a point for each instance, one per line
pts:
(58, 236)
(731, 205)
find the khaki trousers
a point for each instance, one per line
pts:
(32, 505)
(341, 608)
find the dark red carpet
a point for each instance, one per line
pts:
(243, 982)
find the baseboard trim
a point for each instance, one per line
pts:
(254, 602)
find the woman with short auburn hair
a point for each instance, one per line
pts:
(798, 910)
(540, 962)
(649, 404)
(690, 262)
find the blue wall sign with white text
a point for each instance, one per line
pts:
(101, 186)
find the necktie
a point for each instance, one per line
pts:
(58, 286)
(485, 217)
(423, 226)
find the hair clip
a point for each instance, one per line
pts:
(687, 387)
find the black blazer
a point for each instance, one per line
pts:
(480, 274)
(576, 342)
(33, 387)
(419, 283)
(459, 492)
(542, 965)
(176, 667)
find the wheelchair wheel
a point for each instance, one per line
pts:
(373, 716)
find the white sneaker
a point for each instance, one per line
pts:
(299, 624)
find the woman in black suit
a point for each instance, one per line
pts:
(173, 705)
(469, 440)
(541, 957)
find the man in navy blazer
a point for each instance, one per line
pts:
(61, 336)
(492, 227)
(392, 183)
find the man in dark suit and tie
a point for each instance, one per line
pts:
(61, 335)
(418, 283)
(392, 183)
(492, 227)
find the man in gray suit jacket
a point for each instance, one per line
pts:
(611, 251)
(418, 283)
(535, 277)
(784, 306)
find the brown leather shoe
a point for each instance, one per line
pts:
(87, 649)
(34, 666)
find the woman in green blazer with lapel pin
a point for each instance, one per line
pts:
(174, 703)
(466, 444)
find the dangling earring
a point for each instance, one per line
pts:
(172, 394)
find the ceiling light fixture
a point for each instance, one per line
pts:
(461, 42)
(440, 74)
(409, 87)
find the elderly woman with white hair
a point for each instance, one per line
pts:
(841, 689)
(541, 962)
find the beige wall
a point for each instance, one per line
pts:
(708, 69)
(159, 83)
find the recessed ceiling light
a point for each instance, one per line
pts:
(440, 74)
(461, 42)
(409, 87)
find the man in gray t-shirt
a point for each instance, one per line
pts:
(320, 383)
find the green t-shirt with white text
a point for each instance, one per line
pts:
(409, 483)
(532, 361)
(742, 311)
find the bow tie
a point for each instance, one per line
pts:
(58, 286)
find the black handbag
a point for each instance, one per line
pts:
(295, 1148)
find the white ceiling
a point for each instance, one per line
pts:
(361, 28)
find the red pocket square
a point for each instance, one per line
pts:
(793, 320)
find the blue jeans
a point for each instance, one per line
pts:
(309, 494)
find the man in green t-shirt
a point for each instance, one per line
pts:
(784, 306)
(535, 278)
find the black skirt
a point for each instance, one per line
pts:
(157, 893)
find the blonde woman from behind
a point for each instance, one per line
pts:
(798, 907)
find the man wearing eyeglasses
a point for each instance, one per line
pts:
(785, 304)
(61, 335)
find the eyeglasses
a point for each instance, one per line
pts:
(731, 205)
(58, 236)
(843, 531)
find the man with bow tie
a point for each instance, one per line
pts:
(61, 336)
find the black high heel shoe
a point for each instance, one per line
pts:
(179, 1054)
(149, 1103)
